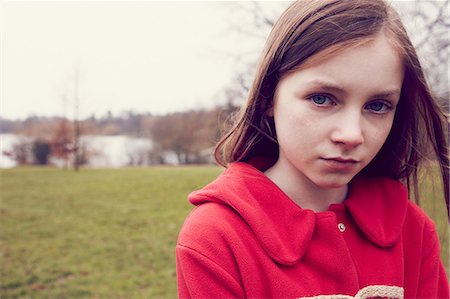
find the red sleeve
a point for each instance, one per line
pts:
(200, 277)
(433, 282)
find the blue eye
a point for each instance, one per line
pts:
(321, 100)
(378, 107)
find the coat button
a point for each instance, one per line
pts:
(341, 227)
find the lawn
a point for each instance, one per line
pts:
(103, 233)
(93, 234)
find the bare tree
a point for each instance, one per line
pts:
(428, 24)
(250, 22)
(190, 134)
(76, 123)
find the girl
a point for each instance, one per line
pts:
(312, 204)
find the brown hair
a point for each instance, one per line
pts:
(309, 27)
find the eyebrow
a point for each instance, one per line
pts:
(333, 87)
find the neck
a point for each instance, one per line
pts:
(302, 190)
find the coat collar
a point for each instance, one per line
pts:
(378, 207)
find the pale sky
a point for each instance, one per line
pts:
(144, 56)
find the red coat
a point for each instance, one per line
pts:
(246, 238)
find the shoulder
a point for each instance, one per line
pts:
(215, 232)
(210, 223)
(417, 220)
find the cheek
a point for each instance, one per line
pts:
(295, 124)
(379, 134)
(300, 136)
(296, 113)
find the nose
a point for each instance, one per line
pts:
(348, 130)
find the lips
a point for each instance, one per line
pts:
(341, 159)
(341, 163)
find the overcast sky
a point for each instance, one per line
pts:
(144, 56)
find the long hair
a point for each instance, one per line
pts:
(306, 30)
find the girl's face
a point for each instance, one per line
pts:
(333, 117)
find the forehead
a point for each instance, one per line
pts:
(337, 49)
(368, 68)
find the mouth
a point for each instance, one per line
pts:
(342, 160)
(341, 163)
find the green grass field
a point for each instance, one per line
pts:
(103, 233)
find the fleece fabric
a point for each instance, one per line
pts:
(247, 239)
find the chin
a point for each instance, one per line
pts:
(332, 182)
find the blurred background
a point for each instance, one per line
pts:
(109, 88)
(116, 83)
(109, 84)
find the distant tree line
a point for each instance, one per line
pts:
(189, 135)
